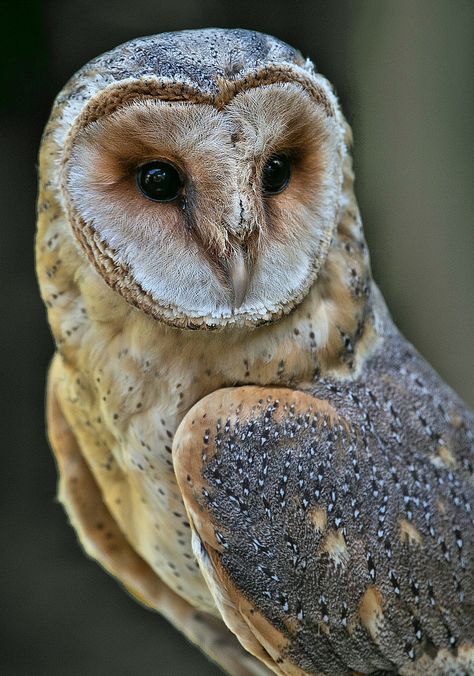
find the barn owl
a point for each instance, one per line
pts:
(243, 437)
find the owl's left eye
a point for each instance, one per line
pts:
(159, 181)
(276, 174)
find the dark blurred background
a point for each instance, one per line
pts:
(403, 69)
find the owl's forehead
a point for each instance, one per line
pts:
(200, 65)
(200, 57)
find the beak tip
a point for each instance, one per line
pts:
(239, 279)
(238, 300)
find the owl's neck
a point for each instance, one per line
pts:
(344, 313)
(344, 308)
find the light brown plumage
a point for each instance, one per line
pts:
(328, 492)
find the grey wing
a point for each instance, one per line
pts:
(321, 557)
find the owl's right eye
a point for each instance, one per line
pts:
(159, 181)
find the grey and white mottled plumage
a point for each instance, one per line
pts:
(242, 435)
(342, 512)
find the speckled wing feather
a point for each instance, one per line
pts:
(334, 526)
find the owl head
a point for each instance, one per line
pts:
(201, 173)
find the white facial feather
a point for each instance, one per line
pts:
(222, 153)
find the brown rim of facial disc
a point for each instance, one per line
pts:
(117, 274)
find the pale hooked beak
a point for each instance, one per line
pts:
(239, 277)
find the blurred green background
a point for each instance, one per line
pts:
(403, 70)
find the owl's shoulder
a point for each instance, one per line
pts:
(398, 398)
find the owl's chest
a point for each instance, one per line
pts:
(125, 422)
(125, 405)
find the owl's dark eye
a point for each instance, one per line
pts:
(159, 181)
(276, 174)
